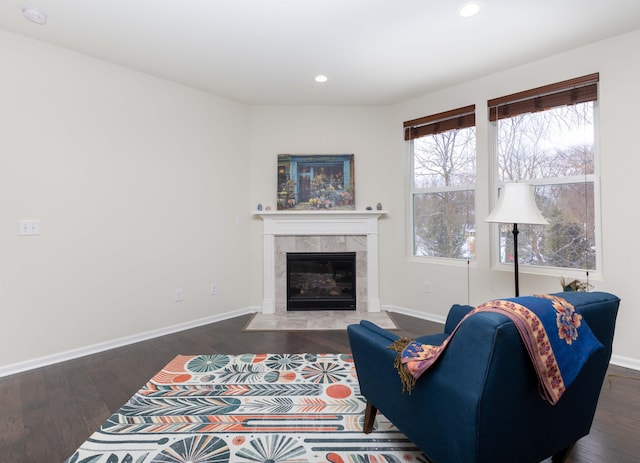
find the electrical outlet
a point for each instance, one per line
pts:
(178, 295)
(426, 287)
(28, 227)
(214, 289)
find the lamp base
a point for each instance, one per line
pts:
(515, 257)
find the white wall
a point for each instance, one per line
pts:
(375, 136)
(137, 183)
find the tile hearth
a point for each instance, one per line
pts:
(307, 320)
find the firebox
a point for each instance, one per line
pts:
(321, 281)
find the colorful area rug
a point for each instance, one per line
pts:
(266, 408)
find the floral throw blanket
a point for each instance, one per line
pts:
(558, 341)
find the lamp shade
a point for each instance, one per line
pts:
(517, 204)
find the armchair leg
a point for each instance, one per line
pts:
(562, 455)
(369, 418)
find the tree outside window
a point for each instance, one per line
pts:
(443, 191)
(554, 150)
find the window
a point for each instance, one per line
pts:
(443, 154)
(545, 137)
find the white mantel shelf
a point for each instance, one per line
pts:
(338, 222)
(332, 222)
(329, 212)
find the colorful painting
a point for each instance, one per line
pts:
(315, 181)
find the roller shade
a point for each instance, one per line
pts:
(572, 91)
(449, 120)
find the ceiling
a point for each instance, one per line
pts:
(269, 51)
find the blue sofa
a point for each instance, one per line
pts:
(480, 402)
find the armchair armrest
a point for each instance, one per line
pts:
(373, 328)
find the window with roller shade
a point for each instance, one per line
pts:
(443, 179)
(547, 137)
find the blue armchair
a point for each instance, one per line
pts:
(480, 402)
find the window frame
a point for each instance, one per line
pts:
(421, 127)
(495, 184)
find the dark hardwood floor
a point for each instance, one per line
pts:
(45, 414)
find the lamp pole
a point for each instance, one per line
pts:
(515, 256)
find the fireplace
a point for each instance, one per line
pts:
(321, 280)
(328, 231)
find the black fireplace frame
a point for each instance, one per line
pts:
(297, 301)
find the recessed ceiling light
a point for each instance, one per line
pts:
(34, 15)
(321, 79)
(469, 9)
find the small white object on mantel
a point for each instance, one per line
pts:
(329, 222)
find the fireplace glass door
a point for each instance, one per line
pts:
(321, 281)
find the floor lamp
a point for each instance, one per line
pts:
(516, 205)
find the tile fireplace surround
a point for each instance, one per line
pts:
(321, 231)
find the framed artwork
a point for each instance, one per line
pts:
(315, 181)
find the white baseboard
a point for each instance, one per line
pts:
(7, 370)
(114, 343)
(625, 362)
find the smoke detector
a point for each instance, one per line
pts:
(35, 15)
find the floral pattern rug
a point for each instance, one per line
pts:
(252, 408)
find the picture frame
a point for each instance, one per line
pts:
(316, 182)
